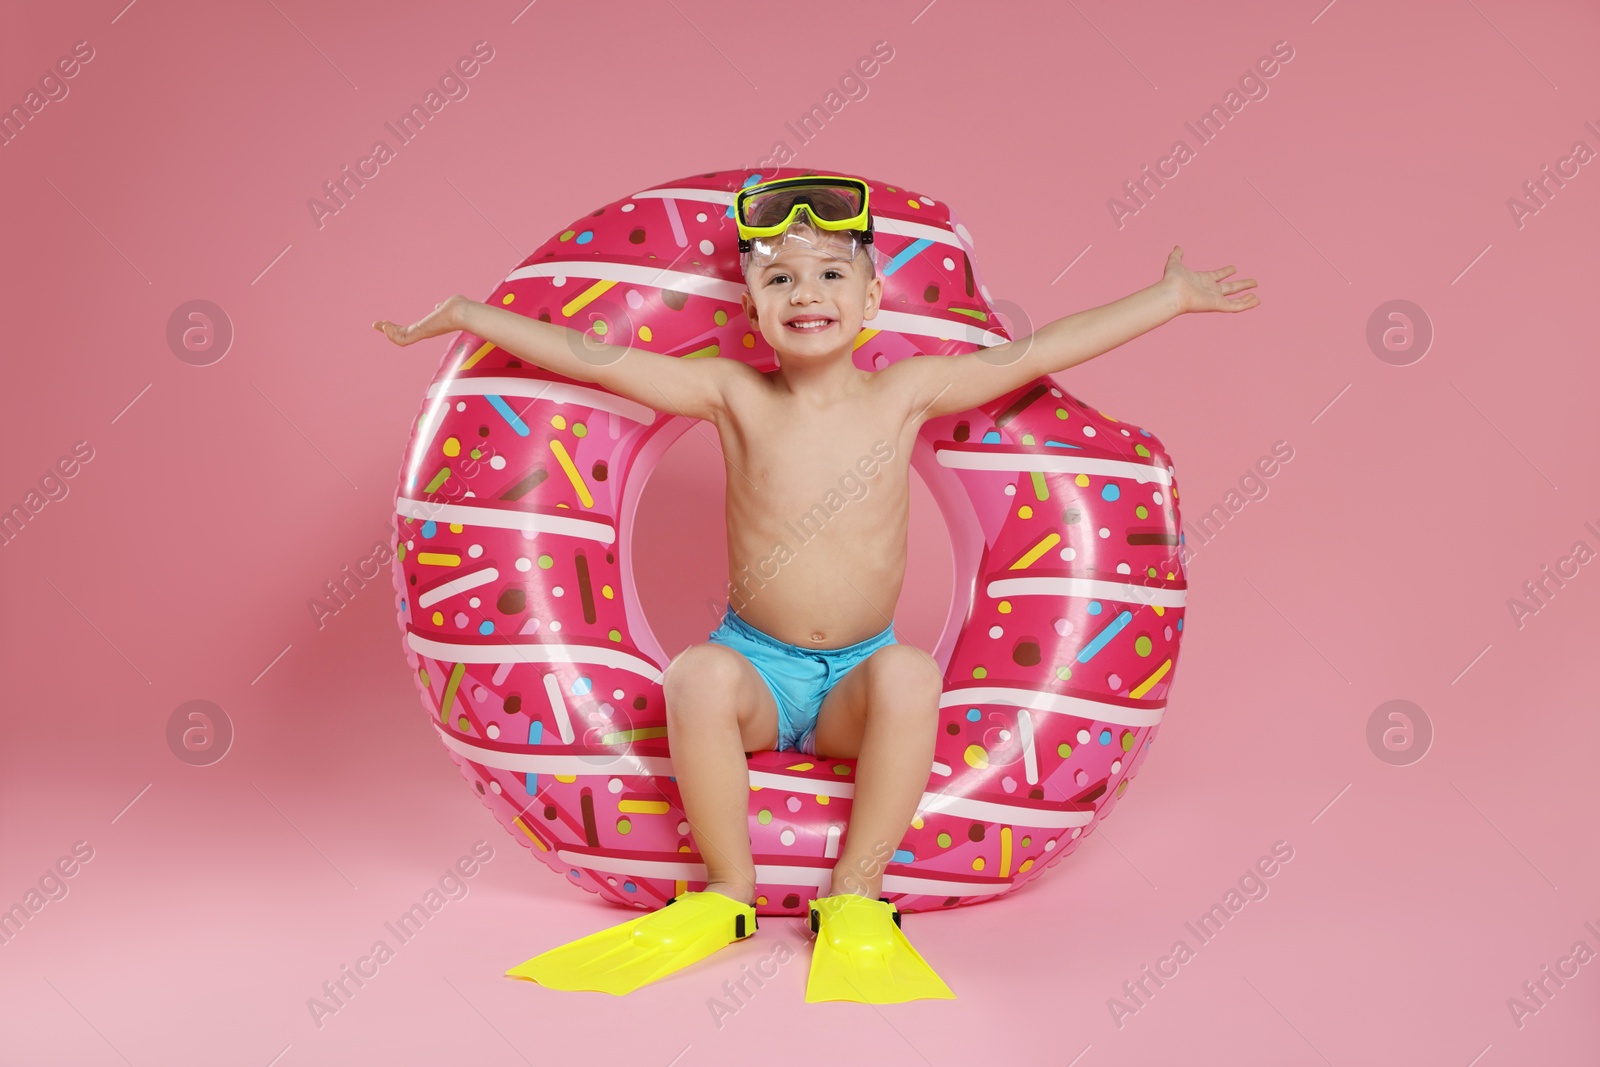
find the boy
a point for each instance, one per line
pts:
(812, 662)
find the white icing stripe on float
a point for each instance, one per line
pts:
(944, 803)
(717, 289)
(634, 274)
(771, 874)
(558, 705)
(923, 326)
(1008, 814)
(557, 392)
(454, 652)
(536, 763)
(1094, 710)
(1067, 462)
(1030, 758)
(920, 231)
(505, 519)
(661, 766)
(457, 585)
(1123, 592)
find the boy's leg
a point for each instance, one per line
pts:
(718, 708)
(884, 713)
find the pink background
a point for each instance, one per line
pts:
(1378, 566)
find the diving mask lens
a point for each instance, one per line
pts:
(840, 245)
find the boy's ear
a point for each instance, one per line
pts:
(874, 296)
(749, 304)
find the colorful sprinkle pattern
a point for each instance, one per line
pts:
(515, 587)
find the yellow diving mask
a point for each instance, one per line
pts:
(828, 213)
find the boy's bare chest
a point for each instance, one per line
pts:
(793, 458)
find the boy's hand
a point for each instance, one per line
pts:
(446, 318)
(1205, 290)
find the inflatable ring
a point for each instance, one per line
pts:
(515, 590)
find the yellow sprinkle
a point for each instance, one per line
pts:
(1004, 607)
(977, 864)
(578, 302)
(1081, 480)
(862, 338)
(1025, 865)
(479, 354)
(566, 779)
(1024, 512)
(558, 421)
(573, 476)
(800, 767)
(455, 527)
(438, 559)
(644, 733)
(540, 845)
(644, 333)
(508, 298)
(976, 757)
(605, 591)
(1005, 851)
(643, 807)
(821, 799)
(452, 447)
(1046, 543)
(916, 823)
(701, 353)
(1144, 687)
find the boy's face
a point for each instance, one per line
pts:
(804, 284)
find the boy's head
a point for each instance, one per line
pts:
(807, 273)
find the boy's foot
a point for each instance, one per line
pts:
(624, 957)
(861, 955)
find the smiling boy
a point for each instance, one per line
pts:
(810, 660)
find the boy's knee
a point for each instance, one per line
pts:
(908, 671)
(701, 669)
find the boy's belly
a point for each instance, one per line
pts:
(819, 588)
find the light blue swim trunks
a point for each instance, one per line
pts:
(799, 677)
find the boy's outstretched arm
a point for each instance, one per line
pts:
(950, 384)
(693, 387)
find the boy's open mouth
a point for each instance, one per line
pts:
(808, 323)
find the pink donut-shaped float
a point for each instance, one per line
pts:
(515, 588)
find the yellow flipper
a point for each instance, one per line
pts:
(624, 957)
(861, 955)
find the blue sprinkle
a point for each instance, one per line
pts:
(430, 528)
(1105, 737)
(902, 856)
(1109, 492)
(585, 237)
(402, 603)
(535, 737)
(1180, 623)
(972, 714)
(629, 887)
(905, 255)
(992, 437)
(573, 873)
(1095, 607)
(486, 627)
(1060, 444)
(1103, 638)
(581, 686)
(512, 418)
